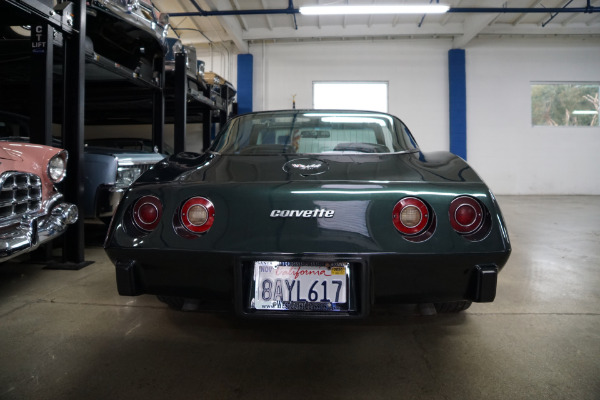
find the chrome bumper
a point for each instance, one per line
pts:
(32, 231)
(107, 200)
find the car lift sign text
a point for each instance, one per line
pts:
(38, 40)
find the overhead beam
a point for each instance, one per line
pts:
(469, 10)
(355, 31)
(242, 19)
(229, 22)
(535, 29)
(520, 17)
(267, 18)
(525, 10)
(412, 31)
(473, 26)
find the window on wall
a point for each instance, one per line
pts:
(565, 104)
(370, 96)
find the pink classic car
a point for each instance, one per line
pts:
(32, 211)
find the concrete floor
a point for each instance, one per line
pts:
(68, 335)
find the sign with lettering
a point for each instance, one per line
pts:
(39, 38)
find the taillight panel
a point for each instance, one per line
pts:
(197, 215)
(146, 213)
(469, 218)
(414, 219)
(466, 214)
(411, 216)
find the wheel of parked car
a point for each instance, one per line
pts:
(453, 306)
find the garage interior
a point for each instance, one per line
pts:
(66, 333)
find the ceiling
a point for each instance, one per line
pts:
(280, 23)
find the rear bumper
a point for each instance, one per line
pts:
(29, 233)
(225, 278)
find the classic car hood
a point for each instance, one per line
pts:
(126, 156)
(8, 155)
(115, 151)
(406, 167)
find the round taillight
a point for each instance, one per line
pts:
(147, 211)
(198, 214)
(466, 214)
(410, 216)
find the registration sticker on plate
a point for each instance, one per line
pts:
(300, 286)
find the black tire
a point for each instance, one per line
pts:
(453, 306)
(176, 303)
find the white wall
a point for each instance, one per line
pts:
(219, 58)
(416, 71)
(511, 156)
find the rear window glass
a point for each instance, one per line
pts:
(314, 132)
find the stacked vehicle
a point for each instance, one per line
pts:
(32, 210)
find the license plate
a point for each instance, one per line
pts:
(300, 286)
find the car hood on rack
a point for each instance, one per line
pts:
(138, 156)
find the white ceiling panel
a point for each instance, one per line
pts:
(275, 20)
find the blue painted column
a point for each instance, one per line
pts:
(458, 102)
(244, 83)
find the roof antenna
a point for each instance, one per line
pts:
(294, 101)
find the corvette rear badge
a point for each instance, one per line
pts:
(306, 166)
(316, 213)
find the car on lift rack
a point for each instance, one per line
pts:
(310, 214)
(130, 32)
(32, 210)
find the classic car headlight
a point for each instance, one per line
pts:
(57, 167)
(126, 175)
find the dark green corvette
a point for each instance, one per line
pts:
(313, 214)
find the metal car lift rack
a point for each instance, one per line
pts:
(90, 99)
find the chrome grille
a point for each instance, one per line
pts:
(143, 167)
(21, 194)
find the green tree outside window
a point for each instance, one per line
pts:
(565, 104)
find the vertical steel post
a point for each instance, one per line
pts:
(245, 83)
(206, 127)
(73, 121)
(42, 53)
(41, 98)
(458, 102)
(180, 102)
(158, 109)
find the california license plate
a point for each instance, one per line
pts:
(300, 286)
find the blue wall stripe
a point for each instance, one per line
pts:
(244, 83)
(458, 102)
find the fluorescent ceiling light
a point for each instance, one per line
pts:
(374, 9)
